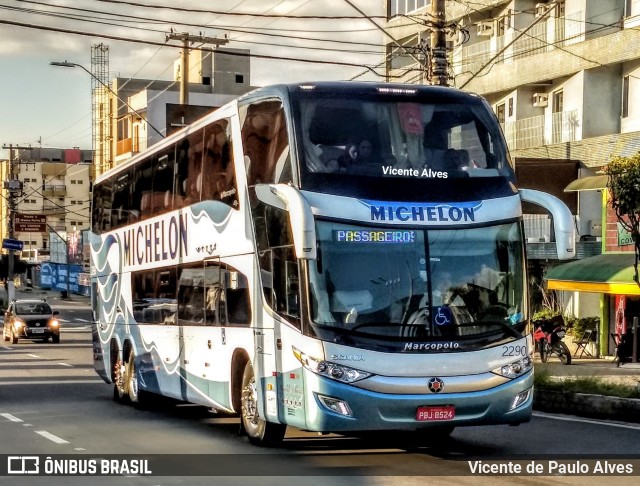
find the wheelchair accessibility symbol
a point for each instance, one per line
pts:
(442, 316)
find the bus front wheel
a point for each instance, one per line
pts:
(259, 431)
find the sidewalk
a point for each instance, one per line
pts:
(601, 368)
(589, 405)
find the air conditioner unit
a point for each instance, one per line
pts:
(540, 99)
(485, 28)
(541, 8)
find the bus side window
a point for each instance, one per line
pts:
(264, 141)
(237, 299)
(285, 284)
(191, 297)
(219, 177)
(162, 200)
(189, 170)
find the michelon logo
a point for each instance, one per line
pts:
(432, 212)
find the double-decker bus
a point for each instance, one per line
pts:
(335, 257)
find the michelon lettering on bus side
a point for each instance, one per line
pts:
(334, 257)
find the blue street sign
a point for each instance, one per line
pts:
(9, 244)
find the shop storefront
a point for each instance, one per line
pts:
(610, 275)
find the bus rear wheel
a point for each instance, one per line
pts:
(259, 431)
(119, 392)
(137, 396)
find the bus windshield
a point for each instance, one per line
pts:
(418, 283)
(415, 137)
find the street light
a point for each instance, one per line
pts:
(68, 64)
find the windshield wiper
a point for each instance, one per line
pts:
(504, 326)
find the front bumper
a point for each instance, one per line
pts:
(378, 411)
(37, 333)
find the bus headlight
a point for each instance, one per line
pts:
(515, 369)
(335, 371)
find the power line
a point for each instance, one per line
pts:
(243, 14)
(227, 28)
(153, 43)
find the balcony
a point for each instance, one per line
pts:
(542, 130)
(52, 208)
(537, 230)
(548, 251)
(53, 190)
(124, 146)
(53, 169)
(551, 34)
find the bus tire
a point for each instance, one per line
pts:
(119, 391)
(132, 387)
(259, 431)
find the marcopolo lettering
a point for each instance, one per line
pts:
(424, 212)
(156, 241)
(408, 346)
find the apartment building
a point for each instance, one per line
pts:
(141, 112)
(563, 78)
(55, 183)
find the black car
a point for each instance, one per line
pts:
(31, 319)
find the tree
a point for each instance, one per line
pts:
(624, 194)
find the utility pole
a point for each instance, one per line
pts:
(439, 63)
(14, 186)
(186, 38)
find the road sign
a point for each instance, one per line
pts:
(30, 223)
(9, 244)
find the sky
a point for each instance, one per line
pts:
(43, 105)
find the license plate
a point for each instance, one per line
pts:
(429, 414)
(37, 331)
(560, 334)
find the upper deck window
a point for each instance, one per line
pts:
(390, 138)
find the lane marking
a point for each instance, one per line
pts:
(573, 418)
(66, 364)
(33, 355)
(53, 382)
(8, 416)
(51, 437)
(82, 320)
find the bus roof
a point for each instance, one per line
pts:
(443, 93)
(361, 87)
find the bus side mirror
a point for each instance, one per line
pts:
(300, 215)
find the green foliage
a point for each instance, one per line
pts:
(624, 186)
(582, 324)
(575, 326)
(584, 384)
(624, 193)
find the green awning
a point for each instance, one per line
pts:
(590, 183)
(609, 273)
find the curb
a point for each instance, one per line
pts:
(585, 405)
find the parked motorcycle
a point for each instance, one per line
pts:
(548, 334)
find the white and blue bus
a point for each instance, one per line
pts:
(335, 257)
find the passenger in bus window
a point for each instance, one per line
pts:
(360, 157)
(456, 160)
(435, 148)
